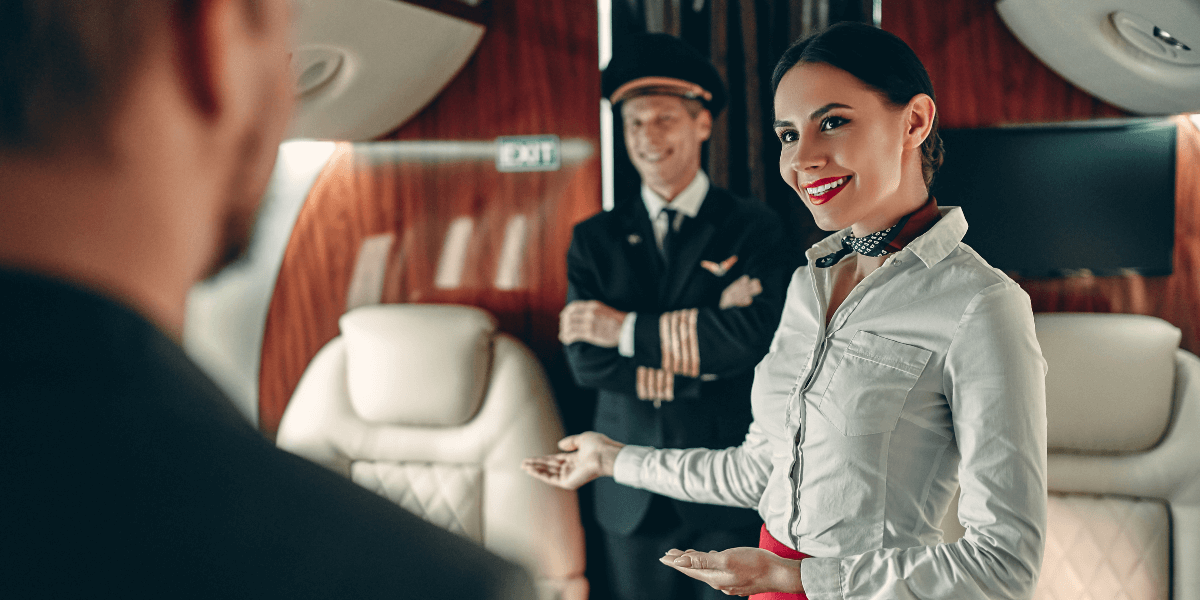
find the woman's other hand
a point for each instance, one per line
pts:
(738, 571)
(584, 457)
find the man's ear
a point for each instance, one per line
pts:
(704, 122)
(919, 114)
(204, 31)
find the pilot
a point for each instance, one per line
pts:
(673, 297)
(136, 139)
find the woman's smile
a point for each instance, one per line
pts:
(823, 190)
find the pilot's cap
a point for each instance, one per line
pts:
(657, 63)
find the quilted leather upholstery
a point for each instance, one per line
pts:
(1106, 548)
(464, 475)
(450, 496)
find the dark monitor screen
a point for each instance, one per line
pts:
(1044, 201)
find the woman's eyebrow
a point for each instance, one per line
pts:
(820, 112)
(816, 114)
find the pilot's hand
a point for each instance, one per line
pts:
(585, 457)
(590, 321)
(741, 292)
(739, 571)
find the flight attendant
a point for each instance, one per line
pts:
(672, 299)
(904, 367)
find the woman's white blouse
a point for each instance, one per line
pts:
(927, 378)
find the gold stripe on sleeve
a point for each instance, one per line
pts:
(680, 343)
(655, 384)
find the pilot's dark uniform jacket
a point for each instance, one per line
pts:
(687, 383)
(699, 403)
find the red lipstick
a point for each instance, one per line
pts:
(823, 190)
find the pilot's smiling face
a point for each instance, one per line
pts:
(664, 139)
(842, 147)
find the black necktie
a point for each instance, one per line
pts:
(669, 237)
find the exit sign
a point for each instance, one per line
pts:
(528, 153)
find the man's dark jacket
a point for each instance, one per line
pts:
(614, 259)
(126, 473)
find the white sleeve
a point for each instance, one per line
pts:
(625, 344)
(734, 476)
(995, 382)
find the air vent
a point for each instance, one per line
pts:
(1155, 42)
(316, 67)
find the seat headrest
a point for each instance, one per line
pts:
(417, 364)
(1111, 380)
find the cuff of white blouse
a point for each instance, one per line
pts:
(822, 578)
(627, 468)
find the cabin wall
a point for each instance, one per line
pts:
(984, 77)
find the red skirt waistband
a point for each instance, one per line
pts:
(767, 542)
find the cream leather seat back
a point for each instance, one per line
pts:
(429, 406)
(1123, 412)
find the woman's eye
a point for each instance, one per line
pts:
(830, 123)
(787, 136)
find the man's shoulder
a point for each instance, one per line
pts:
(159, 441)
(740, 212)
(748, 205)
(602, 220)
(606, 225)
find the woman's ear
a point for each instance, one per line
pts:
(920, 113)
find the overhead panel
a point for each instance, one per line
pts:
(363, 67)
(1140, 55)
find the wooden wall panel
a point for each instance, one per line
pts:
(984, 77)
(535, 72)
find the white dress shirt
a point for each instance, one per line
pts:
(686, 204)
(927, 377)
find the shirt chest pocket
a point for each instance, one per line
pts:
(868, 390)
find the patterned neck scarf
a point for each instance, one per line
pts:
(892, 239)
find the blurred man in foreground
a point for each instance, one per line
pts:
(136, 138)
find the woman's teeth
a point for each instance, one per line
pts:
(821, 189)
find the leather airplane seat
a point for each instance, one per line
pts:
(431, 407)
(1123, 412)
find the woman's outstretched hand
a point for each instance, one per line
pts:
(738, 571)
(584, 457)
